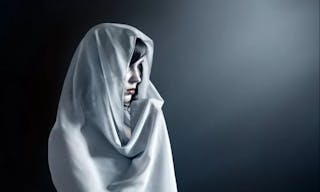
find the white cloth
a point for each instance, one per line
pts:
(87, 148)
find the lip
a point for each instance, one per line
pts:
(131, 91)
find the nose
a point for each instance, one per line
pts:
(135, 77)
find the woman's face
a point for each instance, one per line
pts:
(132, 79)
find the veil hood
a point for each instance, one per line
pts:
(94, 84)
(85, 150)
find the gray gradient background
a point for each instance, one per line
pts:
(240, 81)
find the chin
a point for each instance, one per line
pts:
(127, 98)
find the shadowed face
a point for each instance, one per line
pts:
(132, 79)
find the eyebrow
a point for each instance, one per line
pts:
(139, 60)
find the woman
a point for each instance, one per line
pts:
(110, 133)
(132, 79)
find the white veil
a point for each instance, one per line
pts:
(85, 150)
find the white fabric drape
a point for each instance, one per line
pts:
(86, 149)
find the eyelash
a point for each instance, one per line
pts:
(140, 67)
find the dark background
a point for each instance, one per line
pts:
(240, 81)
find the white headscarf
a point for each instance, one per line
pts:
(86, 152)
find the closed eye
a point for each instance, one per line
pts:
(140, 69)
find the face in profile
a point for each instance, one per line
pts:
(132, 79)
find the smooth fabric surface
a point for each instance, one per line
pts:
(88, 150)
